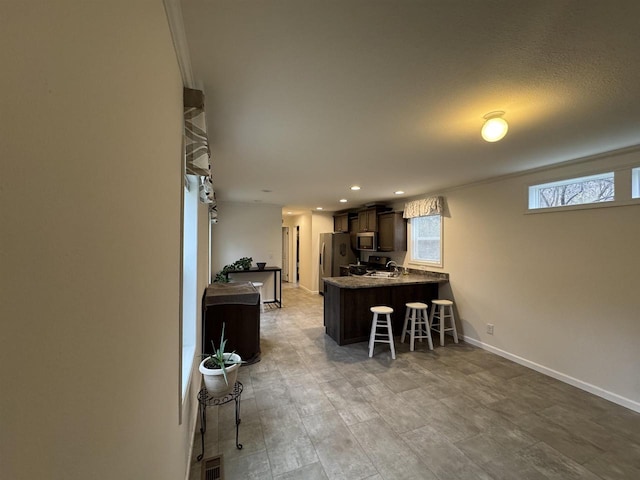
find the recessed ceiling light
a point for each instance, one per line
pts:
(343, 200)
(355, 187)
(289, 213)
(318, 208)
(399, 192)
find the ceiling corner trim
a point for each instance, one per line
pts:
(176, 25)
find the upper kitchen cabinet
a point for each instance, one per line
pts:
(368, 218)
(392, 232)
(341, 223)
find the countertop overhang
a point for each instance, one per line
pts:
(365, 281)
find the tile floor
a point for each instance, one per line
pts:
(313, 410)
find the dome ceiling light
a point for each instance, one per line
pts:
(495, 127)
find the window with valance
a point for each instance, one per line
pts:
(424, 207)
(197, 152)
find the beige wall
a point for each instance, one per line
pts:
(89, 243)
(304, 221)
(311, 225)
(248, 230)
(561, 288)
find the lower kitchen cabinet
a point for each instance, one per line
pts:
(347, 318)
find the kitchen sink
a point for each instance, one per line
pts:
(384, 274)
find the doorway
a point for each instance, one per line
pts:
(297, 273)
(286, 247)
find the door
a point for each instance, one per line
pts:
(297, 255)
(285, 254)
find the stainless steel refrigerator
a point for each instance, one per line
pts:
(335, 250)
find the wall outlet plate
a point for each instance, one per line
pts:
(490, 328)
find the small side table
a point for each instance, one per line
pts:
(205, 400)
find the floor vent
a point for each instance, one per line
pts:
(212, 468)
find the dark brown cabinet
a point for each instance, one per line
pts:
(392, 232)
(368, 220)
(347, 318)
(341, 223)
(237, 307)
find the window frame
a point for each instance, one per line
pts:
(534, 190)
(410, 241)
(622, 180)
(189, 282)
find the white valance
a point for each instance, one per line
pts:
(424, 207)
(195, 132)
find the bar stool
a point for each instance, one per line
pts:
(381, 323)
(258, 285)
(417, 313)
(439, 312)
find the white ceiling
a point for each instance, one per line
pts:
(305, 98)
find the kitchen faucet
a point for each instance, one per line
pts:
(395, 265)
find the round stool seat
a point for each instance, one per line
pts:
(381, 309)
(418, 305)
(442, 302)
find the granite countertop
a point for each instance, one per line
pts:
(364, 281)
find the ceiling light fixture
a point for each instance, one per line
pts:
(355, 187)
(318, 208)
(495, 127)
(399, 192)
(343, 200)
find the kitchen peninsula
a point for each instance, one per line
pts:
(347, 300)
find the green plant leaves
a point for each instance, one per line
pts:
(243, 263)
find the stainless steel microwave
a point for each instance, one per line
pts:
(367, 241)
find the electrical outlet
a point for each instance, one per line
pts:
(490, 328)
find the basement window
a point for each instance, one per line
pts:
(573, 191)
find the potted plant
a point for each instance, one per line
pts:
(243, 263)
(220, 369)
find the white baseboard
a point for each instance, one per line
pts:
(307, 290)
(600, 392)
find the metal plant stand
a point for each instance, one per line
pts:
(205, 400)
